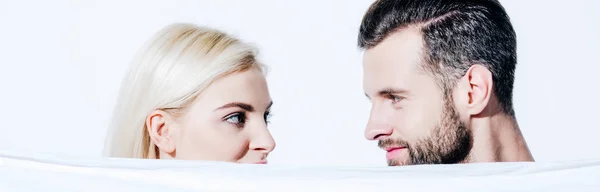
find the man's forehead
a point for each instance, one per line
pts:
(403, 47)
(394, 61)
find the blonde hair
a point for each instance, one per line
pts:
(168, 73)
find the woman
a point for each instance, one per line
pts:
(193, 93)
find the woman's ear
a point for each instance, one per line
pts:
(159, 125)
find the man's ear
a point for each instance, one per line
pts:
(159, 124)
(480, 88)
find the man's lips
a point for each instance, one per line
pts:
(388, 149)
(393, 152)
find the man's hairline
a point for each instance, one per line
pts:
(423, 56)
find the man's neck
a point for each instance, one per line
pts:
(497, 138)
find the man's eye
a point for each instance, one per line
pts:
(395, 99)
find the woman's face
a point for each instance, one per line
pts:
(227, 122)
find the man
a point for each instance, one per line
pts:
(440, 78)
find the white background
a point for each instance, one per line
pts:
(61, 63)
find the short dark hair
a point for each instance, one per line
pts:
(456, 34)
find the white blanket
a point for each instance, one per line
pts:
(39, 172)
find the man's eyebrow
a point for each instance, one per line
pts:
(388, 91)
(243, 106)
(391, 91)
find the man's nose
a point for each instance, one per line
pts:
(377, 128)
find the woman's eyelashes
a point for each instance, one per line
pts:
(238, 119)
(267, 117)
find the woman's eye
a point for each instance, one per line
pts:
(268, 117)
(237, 119)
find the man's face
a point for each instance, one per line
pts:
(410, 116)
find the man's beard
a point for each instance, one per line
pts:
(450, 142)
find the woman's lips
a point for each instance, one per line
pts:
(261, 162)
